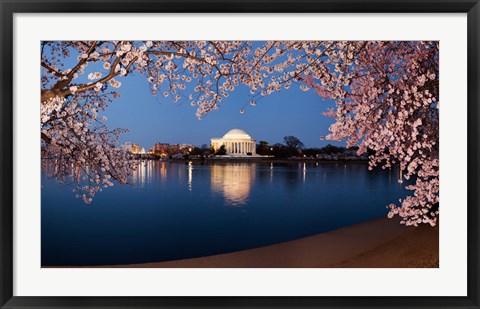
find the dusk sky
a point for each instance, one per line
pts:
(152, 119)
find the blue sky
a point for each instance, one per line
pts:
(152, 119)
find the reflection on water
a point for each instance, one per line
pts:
(162, 167)
(304, 171)
(233, 181)
(143, 172)
(190, 176)
(178, 210)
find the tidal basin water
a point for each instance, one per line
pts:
(184, 210)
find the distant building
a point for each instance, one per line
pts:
(165, 149)
(132, 148)
(160, 149)
(237, 143)
(135, 148)
(186, 147)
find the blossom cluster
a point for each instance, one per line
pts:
(387, 101)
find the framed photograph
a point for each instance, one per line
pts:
(225, 154)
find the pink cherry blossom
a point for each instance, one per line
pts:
(386, 96)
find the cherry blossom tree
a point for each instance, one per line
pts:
(386, 96)
(77, 144)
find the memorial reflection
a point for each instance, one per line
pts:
(233, 181)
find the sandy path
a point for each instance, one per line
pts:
(377, 243)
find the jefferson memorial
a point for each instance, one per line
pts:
(237, 143)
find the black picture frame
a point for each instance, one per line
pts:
(10, 7)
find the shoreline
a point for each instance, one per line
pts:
(252, 159)
(256, 160)
(379, 243)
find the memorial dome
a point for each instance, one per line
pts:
(237, 134)
(236, 143)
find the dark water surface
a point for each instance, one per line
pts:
(184, 210)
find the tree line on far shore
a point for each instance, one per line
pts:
(292, 147)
